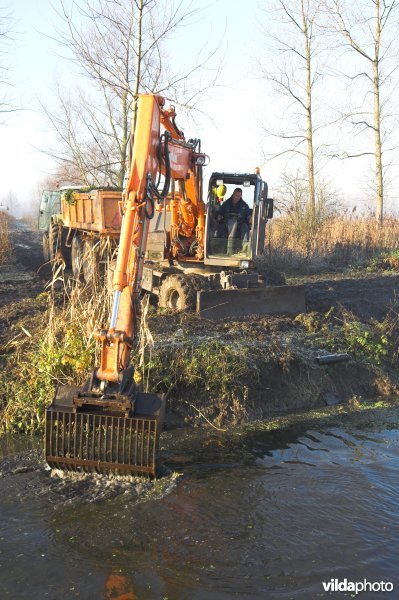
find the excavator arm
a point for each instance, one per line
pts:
(109, 424)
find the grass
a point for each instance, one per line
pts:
(5, 244)
(376, 342)
(211, 376)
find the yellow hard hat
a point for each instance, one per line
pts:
(221, 191)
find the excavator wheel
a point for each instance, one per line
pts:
(178, 292)
(272, 277)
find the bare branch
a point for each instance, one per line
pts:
(119, 47)
(298, 42)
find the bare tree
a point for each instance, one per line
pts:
(6, 105)
(119, 47)
(12, 204)
(63, 174)
(369, 31)
(292, 66)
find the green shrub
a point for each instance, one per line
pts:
(28, 385)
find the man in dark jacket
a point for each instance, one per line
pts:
(234, 218)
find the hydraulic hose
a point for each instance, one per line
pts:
(153, 189)
(149, 215)
(167, 166)
(178, 131)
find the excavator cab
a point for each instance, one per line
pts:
(237, 212)
(238, 209)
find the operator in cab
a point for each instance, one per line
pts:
(234, 218)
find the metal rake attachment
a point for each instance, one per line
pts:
(88, 434)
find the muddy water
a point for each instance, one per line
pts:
(253, 514)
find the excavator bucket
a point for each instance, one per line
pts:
(89, 433)
(218, 304)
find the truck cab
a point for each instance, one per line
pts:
(50, 206)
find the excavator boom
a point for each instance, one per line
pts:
(109, 424)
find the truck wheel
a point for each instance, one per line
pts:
(178, 292)
(46, 247)
(57, 249)
(89, 262)
(66, 250)
(77, 257)
(54, 239)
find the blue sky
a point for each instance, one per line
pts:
(37, 65)
(230, 133)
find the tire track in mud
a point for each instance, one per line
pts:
(24, 275)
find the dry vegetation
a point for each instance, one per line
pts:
(301, 245)
(211, 372)
(5, 244)
(54, 346)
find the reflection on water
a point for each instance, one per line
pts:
(260, 515)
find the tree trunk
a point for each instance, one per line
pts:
(377, 121)
(138, 66)
(309, 136)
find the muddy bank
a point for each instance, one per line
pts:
(213, 373)
(367, 296)
(232, 372)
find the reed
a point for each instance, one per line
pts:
(335, 242)
(5, 244)
(55, 348)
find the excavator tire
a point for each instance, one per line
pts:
(272, 277)
(178, 292)
(77, 257)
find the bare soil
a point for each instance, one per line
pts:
(366, 295)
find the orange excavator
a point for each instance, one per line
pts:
(108, 424)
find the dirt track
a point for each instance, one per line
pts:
(21, 280)
(23, 276)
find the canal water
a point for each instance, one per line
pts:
(245, 514)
